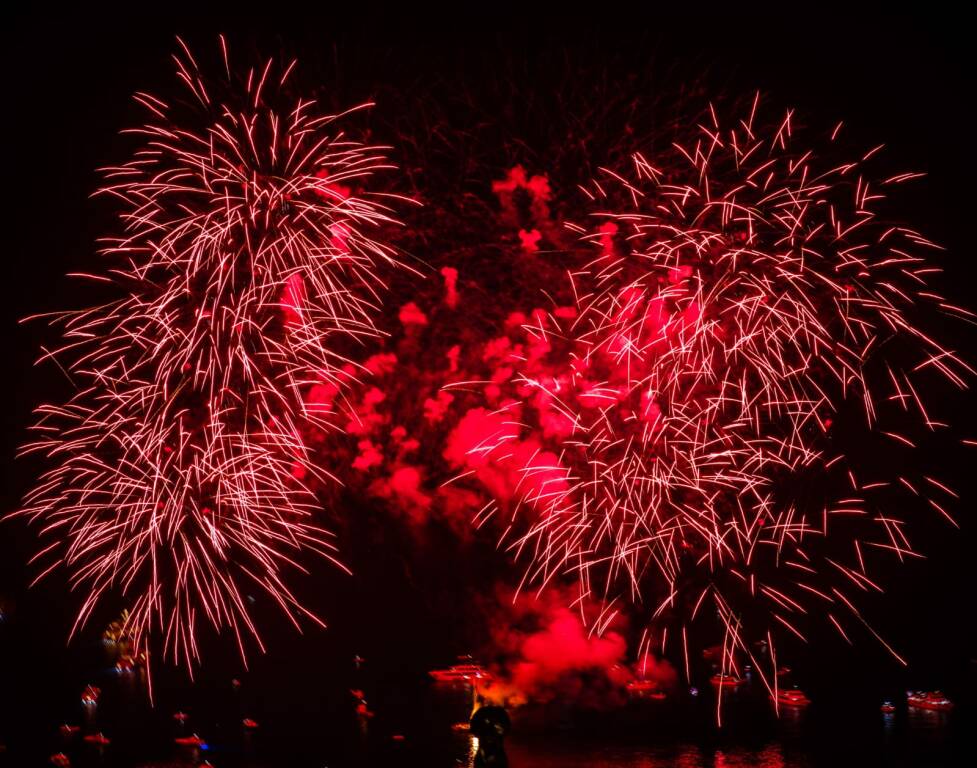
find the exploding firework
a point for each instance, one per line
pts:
(181, 478)
(671, 433)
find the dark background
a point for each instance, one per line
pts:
(905, 79)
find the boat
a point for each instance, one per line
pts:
(932, 700)
(90, 695)
(646, 688)
(792, 697)
(190, 741)
(722, 680)
(60, 760)
(887, 708)
(249, 723)
(98, 738)
(69, 730)
(460, 673)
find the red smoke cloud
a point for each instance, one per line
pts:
(542, 652)
(443, 449)
(510, 467)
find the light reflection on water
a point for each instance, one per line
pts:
(771, 756)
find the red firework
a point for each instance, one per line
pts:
(181, 479)
(672, 431)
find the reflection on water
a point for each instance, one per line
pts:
(684, 756)
(819, 737)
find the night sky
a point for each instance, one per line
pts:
(906, 80)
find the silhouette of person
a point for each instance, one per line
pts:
(489, 725)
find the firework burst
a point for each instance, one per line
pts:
(673, 430)
(181, 480)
